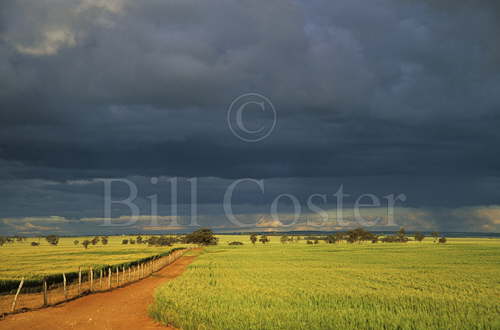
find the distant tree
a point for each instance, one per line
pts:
(35, 244)
(316, 241)
(125, 241)
(86, 243)
(52, 239)
(419, 237)
(375, 239)
(339, 237)
(442, 240)
(160, 241)
(284, 239)
(253, 238)
(104, 240)
(399, 237)
(402, 235)
(132, 241)
(203, 236)
(435, 236)
(359, 235)
(264, 239)
(330, 239)
(309, 242)
(76, 242)
(95, 240)
(139, 239)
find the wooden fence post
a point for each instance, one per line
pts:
(79, 280)
(13, 307)
(123, 274)
(91, 275)
(109, 278)
(64, 287)
(45, 298)
(117, 276)
(100, 279)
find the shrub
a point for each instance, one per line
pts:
(330, 239)
(95, 240)
(442, 240)
(52, 239)
(160, 241)
(394, 239)
(419, 237)
(253, 238)
(264, 239)
(86, 243)
(309, 242)
(35, 244)
(104, 240)
(125, 241)
(76, 242)
(339, 237)
(235, 243)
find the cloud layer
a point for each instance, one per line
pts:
(382, 97)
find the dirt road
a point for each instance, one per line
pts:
(122, 308)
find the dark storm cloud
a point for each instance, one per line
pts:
(375, 91)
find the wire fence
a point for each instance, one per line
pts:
(64, 287)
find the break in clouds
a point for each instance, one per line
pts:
(380, 97)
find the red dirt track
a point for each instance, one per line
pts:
(121, 308)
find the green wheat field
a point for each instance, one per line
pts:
(20, 259)
(336, 286)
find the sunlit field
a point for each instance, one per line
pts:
(336, 286)
(21, 259)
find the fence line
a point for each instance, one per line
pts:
(86, 284)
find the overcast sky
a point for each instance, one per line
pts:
(381, 97)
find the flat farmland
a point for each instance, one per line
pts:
(336, 286)
(33, 262)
